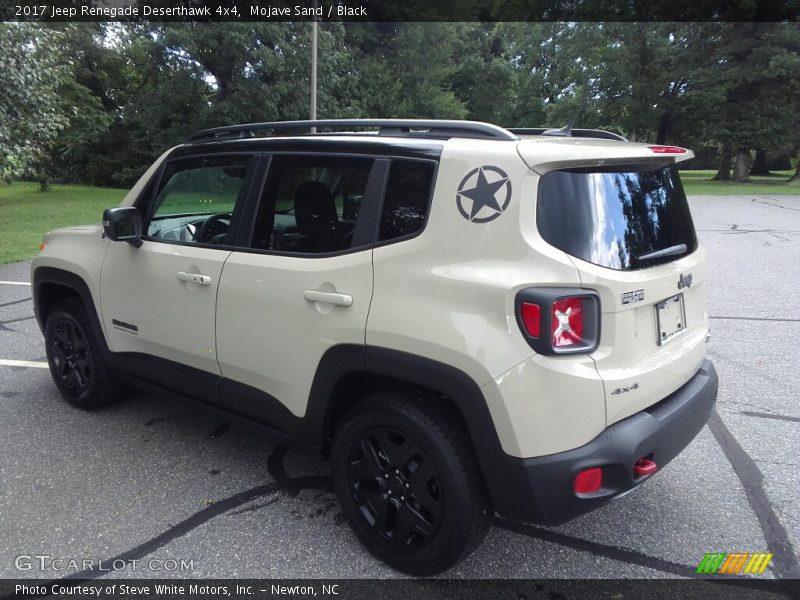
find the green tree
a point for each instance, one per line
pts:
(746, 90)
(544, 88)
(483, 80)
(261, 71)
(628, 77)
(89, 98)
(98, 102)
(31, 112)
(407, 69)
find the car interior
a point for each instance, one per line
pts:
(311, 208)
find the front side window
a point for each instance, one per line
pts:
(619, 218)
(197, 197)
(310, 204)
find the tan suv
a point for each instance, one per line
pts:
(461, 318)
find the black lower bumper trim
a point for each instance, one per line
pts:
(540, 490)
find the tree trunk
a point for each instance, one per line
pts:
(796, 176)
(725, 161)
(44, 181)
(760, 164)
(780, 162)
(741, 169)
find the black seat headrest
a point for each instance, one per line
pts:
(314, 208)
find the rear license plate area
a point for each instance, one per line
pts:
(670, 318)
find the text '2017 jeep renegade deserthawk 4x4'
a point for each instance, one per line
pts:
(463, 319)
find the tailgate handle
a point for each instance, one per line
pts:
(193, 278)
(328, 297)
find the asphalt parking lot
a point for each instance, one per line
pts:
(145, 479)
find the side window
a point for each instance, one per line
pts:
(407, 198)
(196, 199)
(310, 204)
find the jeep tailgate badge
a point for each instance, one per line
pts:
(632, 296)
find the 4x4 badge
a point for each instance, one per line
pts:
(684, 281)
(480, 193)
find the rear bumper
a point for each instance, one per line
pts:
(541, 489)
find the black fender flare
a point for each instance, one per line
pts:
(449, 381)
(68, 279)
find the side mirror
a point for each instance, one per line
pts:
(123, 224)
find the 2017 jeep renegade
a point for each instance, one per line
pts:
(463, 319)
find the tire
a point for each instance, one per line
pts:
(408, 481)
(76, 361)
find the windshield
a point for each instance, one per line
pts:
(623, 218)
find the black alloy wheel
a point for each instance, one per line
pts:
(408, 480)
(75, 357)
(395, 487)
(72, 357)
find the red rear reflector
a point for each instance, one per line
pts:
(532, 318)
(589, 481)
(567, 322)
(667, 149)
(644, 467)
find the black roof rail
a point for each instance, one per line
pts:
(433, 128)
(584, 133)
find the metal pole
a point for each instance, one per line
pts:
(314, 25)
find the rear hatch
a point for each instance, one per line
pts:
(626, 225)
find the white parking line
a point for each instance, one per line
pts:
(33, 364)
(14, 283)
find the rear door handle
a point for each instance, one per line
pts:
(193, 278)
(328, 297)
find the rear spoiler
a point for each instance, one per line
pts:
(601, 134)
(541, 156)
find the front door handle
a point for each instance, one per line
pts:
(328, 297)
(193, 278)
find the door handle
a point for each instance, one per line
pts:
(193, 278)
(328, 297)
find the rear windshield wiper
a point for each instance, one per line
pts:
(671, 251)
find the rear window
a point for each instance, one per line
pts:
(618, 217)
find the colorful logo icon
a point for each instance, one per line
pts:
(734, 563)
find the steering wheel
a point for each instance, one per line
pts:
(212, 227)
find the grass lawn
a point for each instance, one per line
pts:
(26, 213)
(700, 183)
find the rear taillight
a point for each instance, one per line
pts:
(667, 149)
(531, 315)
(567, 323)
(559, 320)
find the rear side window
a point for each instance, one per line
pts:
(618, 218)
(310, 203)
(407, 198)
